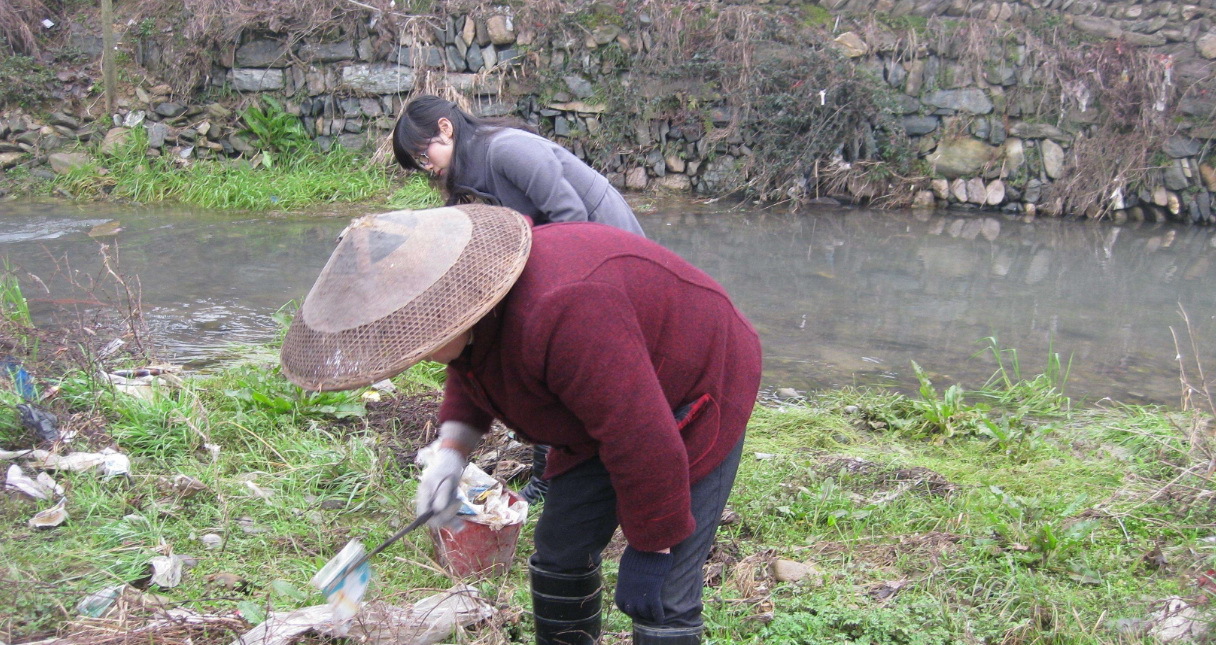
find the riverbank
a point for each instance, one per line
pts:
(998, 515)
(1096, 109)
(295, 181)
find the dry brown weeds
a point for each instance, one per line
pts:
(19, 19)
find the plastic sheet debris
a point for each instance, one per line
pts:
(167, 570)
(20, 378)
(40, 487)
(134, 617)
(116, 344)
(1179, 621)
(96, 604)
(429, 621)
(110, 462)
(143, 383)
(51, 517)
(43, 424)
(384, 387)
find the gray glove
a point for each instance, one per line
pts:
(438, 486)
(441, 476)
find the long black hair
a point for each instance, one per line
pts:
(419, 125)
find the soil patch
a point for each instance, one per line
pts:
(881, 483)
(922, 551)
(408, 423)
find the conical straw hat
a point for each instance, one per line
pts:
(399, 286)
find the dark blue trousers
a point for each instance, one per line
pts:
(579, 519)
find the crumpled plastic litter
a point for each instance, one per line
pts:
(166, 570)
(429, 621)
(44, 424)
(142, 383)
(96, 604)
(51, 517)
(483, 499)
(109, 461)
(40, 487)
(1178, 621)
(21, 379)
(344, 593)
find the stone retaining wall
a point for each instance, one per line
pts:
(969, 122)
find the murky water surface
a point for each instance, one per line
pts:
(840, 296)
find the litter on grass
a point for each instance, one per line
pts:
(44, 424)
(122, 614)
(342, 585)
(166, 570)
(110, 462)
(143, 383)
(41, 487)
(96, 604)
(51, 517)
(1179, 621)
(429, 621)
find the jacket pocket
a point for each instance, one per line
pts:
(698, 423)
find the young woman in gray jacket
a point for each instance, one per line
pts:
(497, 160)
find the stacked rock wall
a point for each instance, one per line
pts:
(996, 129)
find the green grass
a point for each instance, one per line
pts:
(297, 178)
(919, 534)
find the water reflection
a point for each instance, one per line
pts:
(840, 296)
(851, 296)
(205, 279)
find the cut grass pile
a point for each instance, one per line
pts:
(858, 516)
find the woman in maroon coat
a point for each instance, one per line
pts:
(641, 374)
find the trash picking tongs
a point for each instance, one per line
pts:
(344, 578)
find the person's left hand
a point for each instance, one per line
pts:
(639, 584)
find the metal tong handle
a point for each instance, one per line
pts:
(418, 521)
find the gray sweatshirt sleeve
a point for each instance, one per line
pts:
(536, 171)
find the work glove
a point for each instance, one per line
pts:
(639, 584)
(441, 476)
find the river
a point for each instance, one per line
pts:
(841, 296)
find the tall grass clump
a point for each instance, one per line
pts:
(284, 177)
(1043, 392)
(13, 305)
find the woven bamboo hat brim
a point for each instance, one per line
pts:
(398, 287)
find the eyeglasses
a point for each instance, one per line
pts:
(422, 159)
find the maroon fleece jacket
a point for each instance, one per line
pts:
(603, 336)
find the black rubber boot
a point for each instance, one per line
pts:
(566, 607)
(644, 635)
(536, 488)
